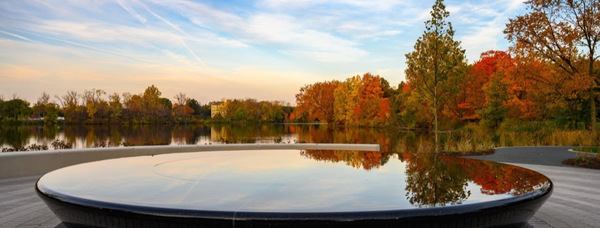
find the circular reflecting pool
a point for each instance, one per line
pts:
(293, 188)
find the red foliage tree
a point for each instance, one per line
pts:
(315, 101)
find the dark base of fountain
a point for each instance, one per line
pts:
(508, 214)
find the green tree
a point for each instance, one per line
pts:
(164, 109)
(46, 109)
(116, 108)
(51, 113)
(564, 32)
(15, 109)
(1, 103)
(437, 63)
(494, 110)
(240, 114)
(202, 111)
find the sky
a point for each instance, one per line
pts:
(211, 50)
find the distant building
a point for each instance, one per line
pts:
(217, 109)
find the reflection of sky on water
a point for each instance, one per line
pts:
(270, 180)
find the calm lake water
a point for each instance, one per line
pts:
(98, 136)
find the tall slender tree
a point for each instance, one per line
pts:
(564, 32)
(437, 64)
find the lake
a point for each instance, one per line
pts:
(88, 136)
(469, 140)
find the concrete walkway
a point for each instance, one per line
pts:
(21, 207)
(574, 203)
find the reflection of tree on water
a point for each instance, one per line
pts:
(497, 179)
(357, 159)
(440, 180)
(249, 133)
(432, 181)
(329, 134)
(15, 136)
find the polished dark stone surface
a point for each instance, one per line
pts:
(294, 189)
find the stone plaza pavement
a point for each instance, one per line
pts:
(575, 201)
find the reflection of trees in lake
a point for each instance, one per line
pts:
(189, 134)
(16, 136)
(148, 135)
(441, 180)
(357, 159)
(248, 133)
(433, 181)
(495, 178)
(327, 134)
(82, 136)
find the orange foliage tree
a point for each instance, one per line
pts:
(356, 101)
(540, 89)
(565, 33)
(361, 101)
(471, 96)
(315, 101)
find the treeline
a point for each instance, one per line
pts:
(495, 88)
(253, 111)
(357, 101)
(94, 107)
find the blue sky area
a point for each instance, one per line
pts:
(263, 49)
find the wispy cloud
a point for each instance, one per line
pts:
(131, 11)
(286, 33)
(175, 27)
(364, 4)
(16, 36)
(481, 24)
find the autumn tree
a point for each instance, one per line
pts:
(538, 90)
(316, 101)
(564, 32)
(96, 106)
(346, 101)
(154, 107)
(116, 107)
(73, 110)
(134, 105)
(471, 96)
(180, 108)
(437, 64)
(47, 109)
(361, 101)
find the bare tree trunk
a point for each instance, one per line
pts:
(593, 111)
(435, 122)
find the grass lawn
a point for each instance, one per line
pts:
(587, 161)
(587, 149)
